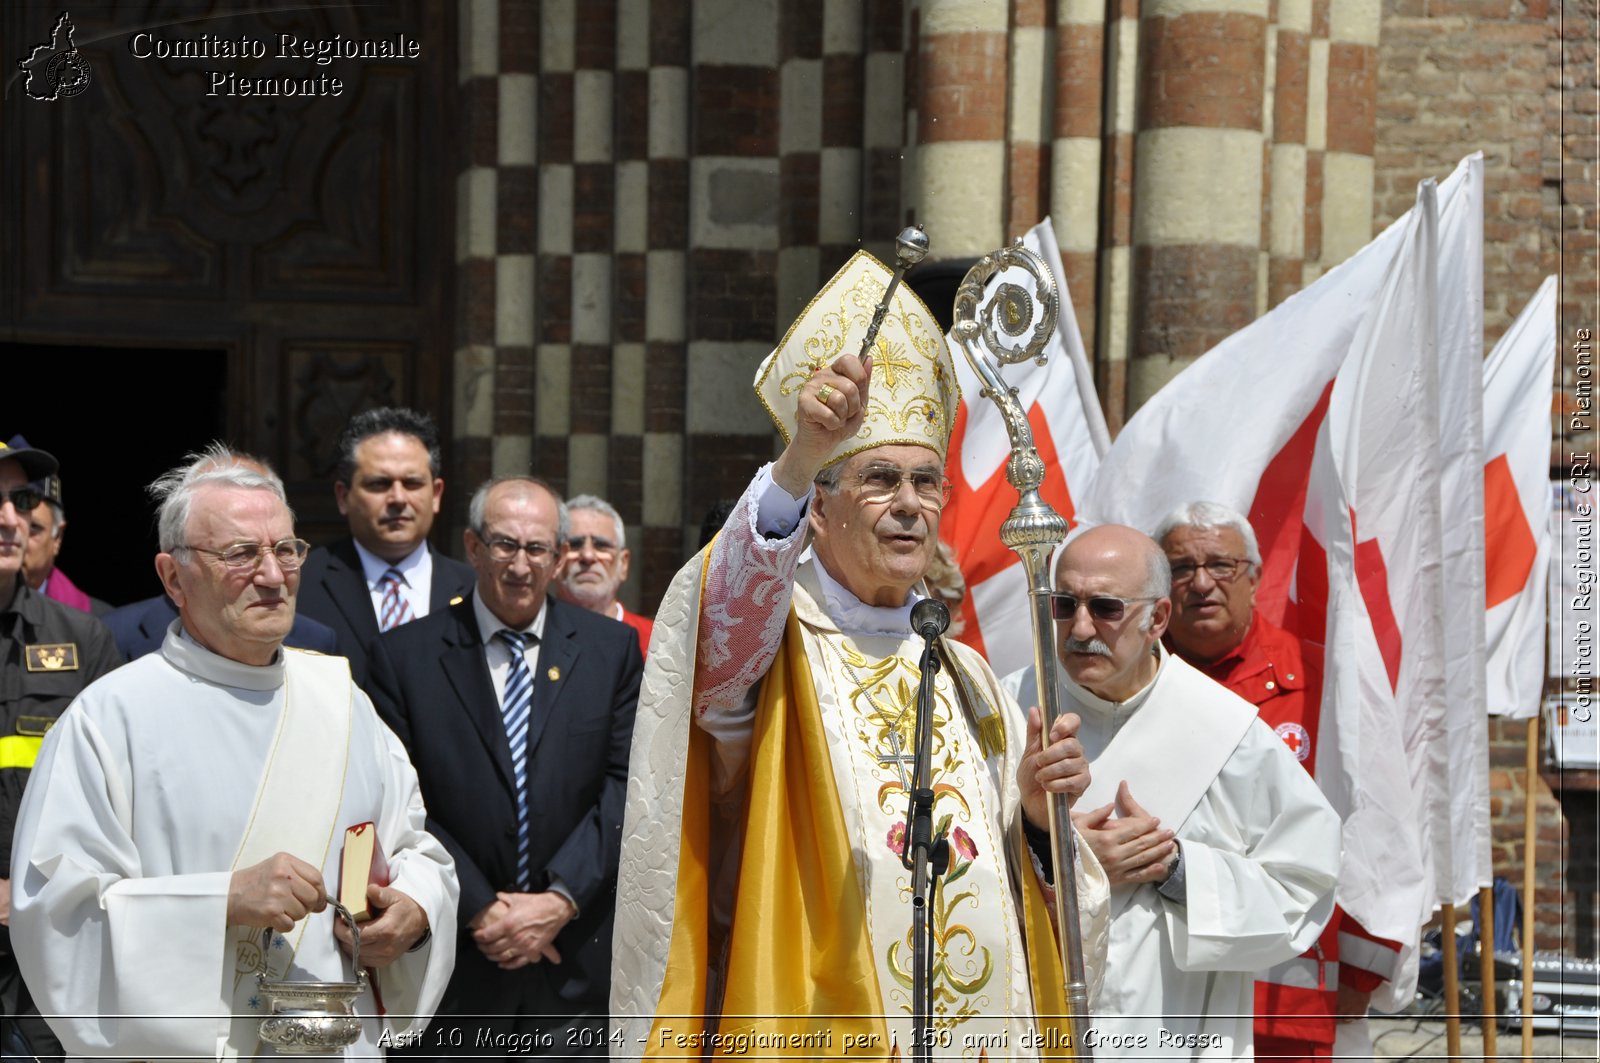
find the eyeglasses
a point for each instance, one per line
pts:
(1221, 569)
(578, 543)
(505, 550)
(26, 499)
(288, 553)
(881, 483)
(1101, 606)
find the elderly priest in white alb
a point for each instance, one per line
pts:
(1222, 853)
(200, 795)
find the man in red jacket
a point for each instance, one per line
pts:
(1216, 565)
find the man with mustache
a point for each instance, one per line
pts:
(388, 487)
(597, 564)
(1216, 565)
(762, 879)
(1222, 854)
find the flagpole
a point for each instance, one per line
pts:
(1452, 987)
(1486, 969)
(1529, 837)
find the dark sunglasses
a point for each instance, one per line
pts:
(1101, 607)
(26, 499)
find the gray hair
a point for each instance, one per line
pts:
(1212, 516)
(477, 520)
(596, 504)
(175, 489)
(829, 478)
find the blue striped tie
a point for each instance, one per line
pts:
(516, 707)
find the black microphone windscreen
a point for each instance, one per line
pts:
(929, 618)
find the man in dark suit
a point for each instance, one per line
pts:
(141, 627)
(517, 711)
(388, 487)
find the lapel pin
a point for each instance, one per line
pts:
(554, 673)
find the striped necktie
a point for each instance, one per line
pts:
(516, 706)
(395, 609)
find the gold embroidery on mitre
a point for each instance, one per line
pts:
(913, 394)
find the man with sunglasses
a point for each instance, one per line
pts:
(48, 653)
(597, 564)
(763, 877)
(1222, 854)
(518, 710)
(187, 814)
(1301, 1008)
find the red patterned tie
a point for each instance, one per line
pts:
(396, 610)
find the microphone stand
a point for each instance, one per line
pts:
(925, 856)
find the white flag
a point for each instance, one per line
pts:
(1516, 501)
(1069, 431)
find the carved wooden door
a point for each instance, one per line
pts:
(306, 239)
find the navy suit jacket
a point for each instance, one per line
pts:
(333, 589)
(141, 627)
(430, 682)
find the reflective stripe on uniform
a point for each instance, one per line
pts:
(1302, 973)
(1368, 955)
(19, 751)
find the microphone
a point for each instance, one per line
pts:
(929, 618)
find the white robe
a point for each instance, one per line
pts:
(1261, 857)
(121, 866)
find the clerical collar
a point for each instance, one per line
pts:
(856, 617)
(1091, 700)
(185, 654)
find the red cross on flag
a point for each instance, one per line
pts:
(1069, 431)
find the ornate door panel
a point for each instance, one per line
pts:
(308, 237)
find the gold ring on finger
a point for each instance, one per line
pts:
(822, 395)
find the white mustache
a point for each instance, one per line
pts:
(1094, 646)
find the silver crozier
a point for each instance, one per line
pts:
(1003, 332)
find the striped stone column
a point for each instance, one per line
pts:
(666, 369)
(1286, 237)
(1077, 122)
(553, 283)
(800, 90)
(1114, 313)
(1352, 102)
(474, 417)
(1031, 65)
(1316, 138)
(958, 189)
(733, 240)
(1198, 195)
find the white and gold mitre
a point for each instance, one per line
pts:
(913, 395)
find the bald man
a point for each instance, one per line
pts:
(1222, 853)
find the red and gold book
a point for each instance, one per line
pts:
(361, 863)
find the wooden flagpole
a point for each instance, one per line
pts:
(1529, 839)
(1486, 969)
(1452, 987)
